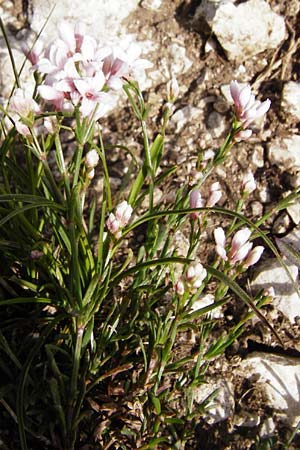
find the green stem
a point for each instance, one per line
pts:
(149, 164)
(77, 164)
(72, 413)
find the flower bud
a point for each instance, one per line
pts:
(248, 183)
(179, 287)
(220, 240)
(113, 224)
(91, 159)
(172, 90)
(123, 213)
(196, 201)
(91, 174)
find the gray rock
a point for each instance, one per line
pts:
(294, 212)
(257, 156)
(291, 98)
(281, 223)
(222, 406)
(216, 124)
(244, 30)
(273, 275)
(278, 377)
(285, 153)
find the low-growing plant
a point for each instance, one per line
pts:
(98, 292)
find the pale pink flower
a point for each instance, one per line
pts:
(241, 253)
(52, 95)
(23, 106)
(114, 69)
(240, 249)
(195, 275)
(196, 200)
(238, 241)
(33, 54)
(246, 107)
(91, 96)
(50, 124)
(248, 183)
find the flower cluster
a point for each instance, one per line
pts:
(116, 222)
(240, 250)
(247, 109)
(80, 72)
(192, 280)
(197, 201)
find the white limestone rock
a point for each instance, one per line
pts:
(152, 5)
(285, 153)
(207, 300)
(272, 274)
(223, 403)
(102, 17)
(244, 30)
(291, 98)
(294, 212)
(278, 377)
(185, 115)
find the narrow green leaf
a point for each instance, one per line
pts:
(243, 296)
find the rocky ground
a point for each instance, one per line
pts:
(206, 44)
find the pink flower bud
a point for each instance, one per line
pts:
(113, 224)
(179, 287)
(220, 240)
(196, 201)
(123, 213)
